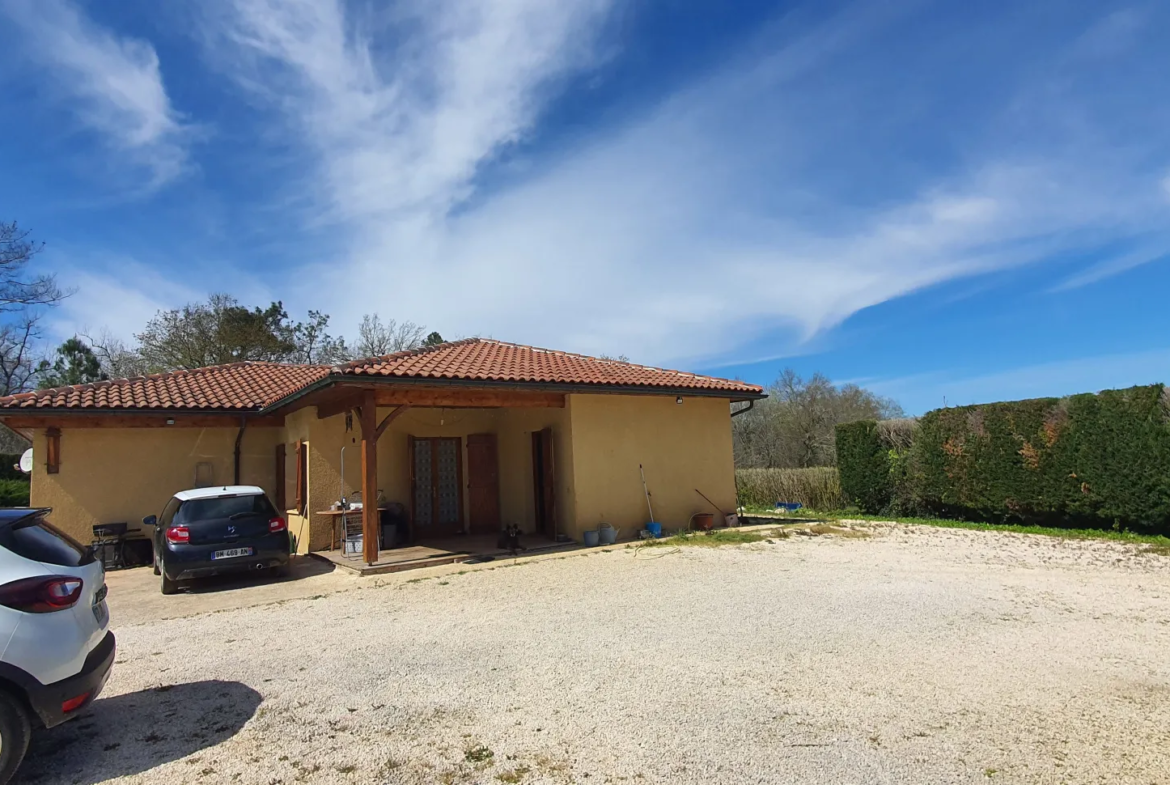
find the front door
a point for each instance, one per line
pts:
(483, 483)
(436, 475)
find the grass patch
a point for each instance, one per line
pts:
(712, 539)
(515, 775)
(480, 754)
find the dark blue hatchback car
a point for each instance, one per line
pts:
(213, 531)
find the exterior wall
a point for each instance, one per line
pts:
(682, 447)
(110, 475)
(513, 429)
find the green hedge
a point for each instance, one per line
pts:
(1081, 462)
(864, 464)
(8, 470)
(14, 493)
(816, 488)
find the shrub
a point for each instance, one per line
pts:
(1082, 462)
(817, 488)
(14, 493)
(8, 467)
(864, 463)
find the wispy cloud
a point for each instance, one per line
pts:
(764, 197)
(113, 84)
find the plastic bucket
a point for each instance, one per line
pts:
(590, 538)
(655, 529)
(607, 534)
(704, 521)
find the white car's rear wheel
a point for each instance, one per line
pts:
(14, 734)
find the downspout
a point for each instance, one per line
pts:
(239, 439)
(748, 408)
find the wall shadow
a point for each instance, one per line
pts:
(129, 734)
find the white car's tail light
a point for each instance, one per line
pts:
(43, 594)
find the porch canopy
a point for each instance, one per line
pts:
(472, 373)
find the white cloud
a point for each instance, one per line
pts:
(112, 83)
(775, 193)
(115, 294)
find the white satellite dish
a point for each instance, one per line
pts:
(26, 464)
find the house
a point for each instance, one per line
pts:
(467, 436)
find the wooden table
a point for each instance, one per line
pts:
(336, 515)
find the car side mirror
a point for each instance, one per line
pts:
(150, 520)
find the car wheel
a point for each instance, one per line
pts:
(14, 734)
(165, 584)
(155, 560)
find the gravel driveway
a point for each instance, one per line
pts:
(912, 655)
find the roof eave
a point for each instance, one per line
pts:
(363, 380)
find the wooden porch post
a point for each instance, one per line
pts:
(369, 422)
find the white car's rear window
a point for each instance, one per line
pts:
(36, 539)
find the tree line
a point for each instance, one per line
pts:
(795, 426)
(220, 330)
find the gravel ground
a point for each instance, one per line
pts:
(912, 655)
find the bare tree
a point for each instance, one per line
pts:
(376, 338)
(117, 360)
(795, 426)
(18, 290)
(20, 362)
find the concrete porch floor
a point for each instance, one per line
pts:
(431, 553)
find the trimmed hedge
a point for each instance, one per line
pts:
(1081, 462)
(14, 493)
(864, 465)
(8, 470)
(816, 488)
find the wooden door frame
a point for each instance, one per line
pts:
(412, 441)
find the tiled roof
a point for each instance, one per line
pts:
(254, 385)
(482, 359)
(236, 387)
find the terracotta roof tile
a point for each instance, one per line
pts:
(496, 361)
(236, 387)
(253, 385)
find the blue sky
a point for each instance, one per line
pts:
(943, 201)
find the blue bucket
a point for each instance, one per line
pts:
(655, 529)
(590, 538)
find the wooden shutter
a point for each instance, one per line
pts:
(549, 477)
(53, 450)
(302, 490)
(281, 490)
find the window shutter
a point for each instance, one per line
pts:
(281, 490)
(53, 450)
(302, 485)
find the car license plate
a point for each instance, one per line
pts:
(232, 553)
(101, 612)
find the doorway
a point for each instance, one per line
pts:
(483, 483)
(544, 482)
(436, 481)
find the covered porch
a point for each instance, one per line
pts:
(432, 553)
(448, 469)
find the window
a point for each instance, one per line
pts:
(37, 539)
(224, 507)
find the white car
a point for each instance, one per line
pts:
(54, 629)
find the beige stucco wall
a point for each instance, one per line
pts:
(109, 475)
(513, 429)
(681, 446)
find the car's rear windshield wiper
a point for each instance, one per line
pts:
(237, 515)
